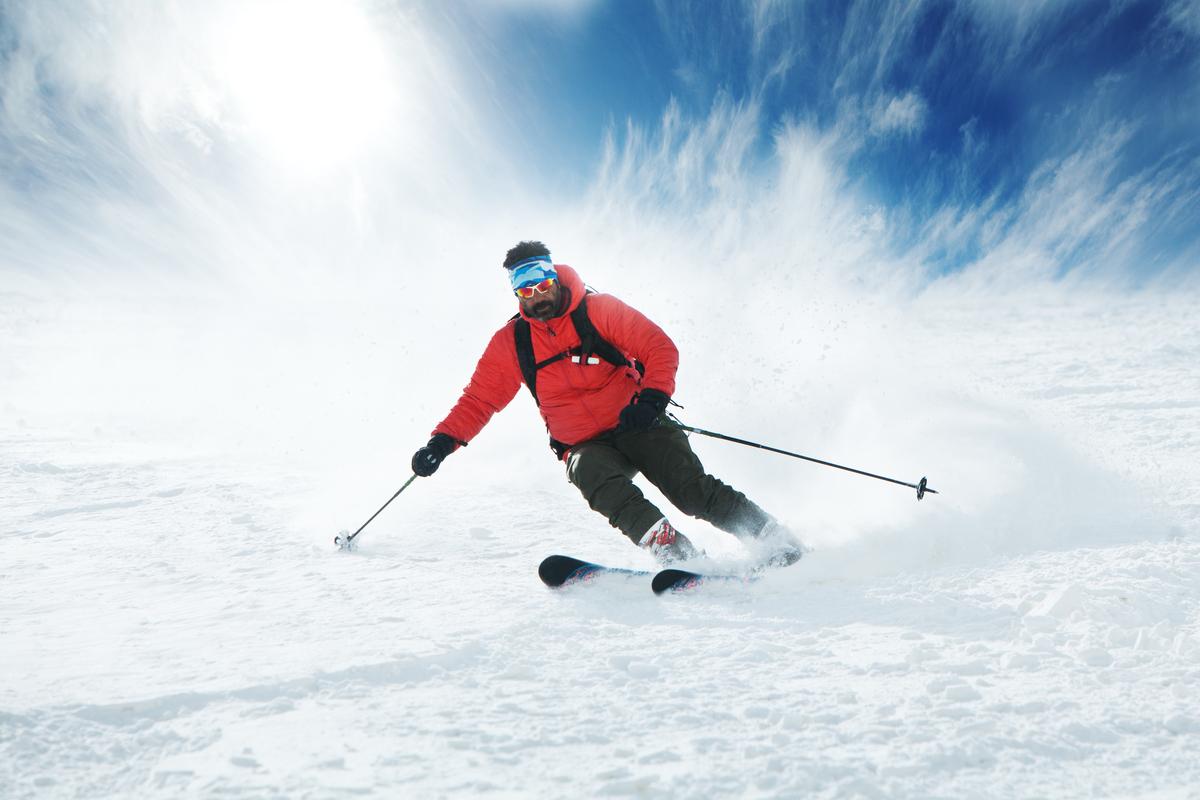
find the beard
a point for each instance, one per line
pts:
(542, 310)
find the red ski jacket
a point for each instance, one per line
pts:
(578, 401)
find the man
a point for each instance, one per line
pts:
(602, 375)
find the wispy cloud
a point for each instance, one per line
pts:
(903, 115)
(1185, 15)
(957, 109)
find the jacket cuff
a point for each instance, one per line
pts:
(457, 442)
(654, 397)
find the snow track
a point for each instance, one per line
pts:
(249, 662)
(176, 621)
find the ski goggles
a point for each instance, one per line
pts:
(527, 292)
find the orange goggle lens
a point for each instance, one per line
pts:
(541, 288)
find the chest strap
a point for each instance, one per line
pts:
(590, 343)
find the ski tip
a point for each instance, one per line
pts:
(674, 580)
(557, 570)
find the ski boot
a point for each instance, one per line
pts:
(666, 544)
(781, 546)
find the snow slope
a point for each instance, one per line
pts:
(176, 623)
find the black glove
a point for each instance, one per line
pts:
(426, 460)
(643, 411)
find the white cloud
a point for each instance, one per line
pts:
(902, 114)
(1185, 15)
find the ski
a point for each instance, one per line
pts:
(678, 580)
(556, 571)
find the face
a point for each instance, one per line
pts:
(542, 306)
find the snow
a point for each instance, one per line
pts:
(213, 359)
(176, 621)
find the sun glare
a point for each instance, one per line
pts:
(309, 79)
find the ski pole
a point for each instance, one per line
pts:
(921, 487)
(344, 541)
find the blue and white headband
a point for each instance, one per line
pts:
(531, 271)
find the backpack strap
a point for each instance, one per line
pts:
(525, 358)
(524, 340)
(590, 340)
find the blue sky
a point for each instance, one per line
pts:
(939, 102)
(1034, 137)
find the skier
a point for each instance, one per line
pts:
(602, 375)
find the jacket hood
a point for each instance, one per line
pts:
(568, 278)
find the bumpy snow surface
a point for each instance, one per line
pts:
(176, 622)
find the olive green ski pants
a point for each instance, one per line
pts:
(603, 470)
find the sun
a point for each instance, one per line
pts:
(309, 79)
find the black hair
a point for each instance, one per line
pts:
(524, 250)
